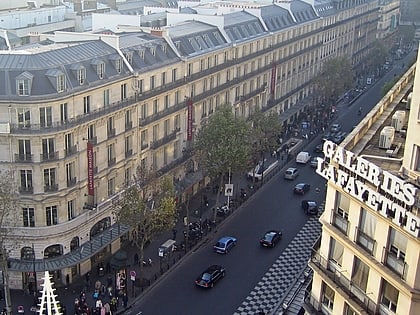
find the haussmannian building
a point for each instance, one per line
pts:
(79, 112)
(367, 258)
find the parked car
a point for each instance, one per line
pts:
(339, 137)
(271, 238)
(310, 207)
(291, 173)
(319, 147)
(210, 276)
(335, 128)
(225, 244)
(301, 188)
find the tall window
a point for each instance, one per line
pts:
(86, 104)
(389, 296)
(336, 252)
(123, 91)
(63, 112)
(45, 116)
(23, 87)
(24, 117)
(71, 209)
(101, 70)
(127, 176)
(328, 297)
(397, 244)
(26, 180)
(70, 174)
(177, 122)
(61, 83)
(144, 139)
(163, 78)
(24, 146)
(366, 232)
(106, 97)
(69, 147)
(28, 214)
(174, 75)
(48, 149)
(360, 274)
(140, 86)
(111, 187)
(128, 145)
(91, 133)
(111, 127)
(51, 215)
(152, 82)
(143, 111)
(166, 127)
(81, 75)
(128, 120)
(49, 179)
(155, 106)
(111, 154)
(155, 132)
(166, 101)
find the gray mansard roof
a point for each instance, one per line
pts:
(41, 64)
(276, 18)
(242, 25)
(194, 37)
(302, 11)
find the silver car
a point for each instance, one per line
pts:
(291, 173)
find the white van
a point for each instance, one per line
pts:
(303, 157)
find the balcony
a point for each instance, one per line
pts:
(112, 162)
(26, 190)
(110, 133)
(71, 182)
(350, 292)
(49, 156)
(50, 188)
(340, 223)
(166, 139)
(144, 146)
(93, 140)
(365, 241)
(165, 169)
(70, 151)
(23, 158)
(128, 153)
(396, 264)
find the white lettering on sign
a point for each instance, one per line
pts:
(388, 185)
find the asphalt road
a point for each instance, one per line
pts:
(273, 207)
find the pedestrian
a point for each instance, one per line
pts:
(67, 280)
(87, 277)
(136, 259)
(174, 231)
(125, 299)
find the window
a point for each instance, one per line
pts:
(106, 97)
(63, 112)
(123, 91)
(166, 101)
(91, 133)
(140, 86)
(397, 244)
(348, 310)
(24, 117)
(100, 70)
(177, 122)
(336, 252)
(152, 82)
(127, 177)
(28, 216)
(24, 147)
(360, 274)
(128, 120)
(366, 231)
(155, 133)
(81, 75)
(128, 146)
(163, 78)
(71, 209)
(71, 174)
(416, 158)
(144, 139)
(389, 296)
(190, 69)
(51, 215)
(143, 111)
(129, 56)
(23, 87)
(61, 83)
(111, 154)
(26, 181)
(86, 104)
(166, 127)
(48, 149)
(118, 65)
(155, 106)
(111, 187)
(49, 179)
(328, 297)
(69, 147)
(110, 127)
(45, 117)
(174, 75)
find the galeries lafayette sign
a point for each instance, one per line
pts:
(392, 198)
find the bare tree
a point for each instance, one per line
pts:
(8, 218)
(148, 207)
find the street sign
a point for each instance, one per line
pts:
(229, 190)
(133, 275)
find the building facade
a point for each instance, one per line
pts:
(367, 259)
(389, 16)
(79, 112)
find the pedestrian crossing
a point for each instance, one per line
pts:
(275, 283)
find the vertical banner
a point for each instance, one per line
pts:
(189, 119)
(273, 80)
(91, 183)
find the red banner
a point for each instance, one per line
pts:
(91, 182)
(273, 79)
(189, 119)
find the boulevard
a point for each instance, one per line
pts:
(272, 207)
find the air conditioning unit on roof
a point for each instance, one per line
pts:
(386, 137)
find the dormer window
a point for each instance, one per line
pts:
(153, 50)
(57, 79)
(79, 72)
(116, 60)
(99, 66)
(141, 54)
(24, 84)
(164, 47)
(129, 56)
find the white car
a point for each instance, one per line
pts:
(291, 173)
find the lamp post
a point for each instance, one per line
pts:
(34, 270)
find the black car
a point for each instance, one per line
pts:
(210, 276)
(301, 188)
(310, 207)
(271, 238)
